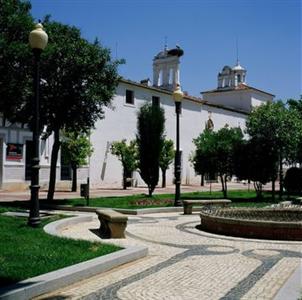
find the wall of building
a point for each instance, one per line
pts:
(259, 98)
(13, 169)
(235, 99)
(120, 123)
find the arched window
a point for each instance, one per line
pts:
(238, 78)
(160, 78)
(171, 76)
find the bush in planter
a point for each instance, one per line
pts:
(293, 180)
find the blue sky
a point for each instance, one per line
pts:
(268, 34)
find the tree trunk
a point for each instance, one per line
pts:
(258, 189)
(163, 178)
(273, 190)
(202, 180)
(223, 186)
(124, 180)
(150, 190)
(53, 165)
(74, 178)
(280, 178)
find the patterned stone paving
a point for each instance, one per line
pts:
(185, 263)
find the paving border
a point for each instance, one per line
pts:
(48, 282)
(141, 211)
(292, 289)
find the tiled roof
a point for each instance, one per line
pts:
(240, 87)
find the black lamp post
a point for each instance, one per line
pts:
(38, 41)
(177, 97)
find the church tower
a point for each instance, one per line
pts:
(231, 77)
(239, 74)
(166, 68)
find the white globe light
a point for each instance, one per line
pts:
(177, 94)
(38, 38)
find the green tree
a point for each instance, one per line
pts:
(76, 148)
(293, 181)
(80, 79)
(279, 126)
(202, 158)
(166, 158)
(214, 153)
(225, 141)
(255, 161)
(296, 106)
(127, 154)
(15, 56)
(150, 140)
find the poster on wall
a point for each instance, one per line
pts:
(14, 151)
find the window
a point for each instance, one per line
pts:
(129, 97)
(155, 101)
(238, 78)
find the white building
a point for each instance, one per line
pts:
(230, 103)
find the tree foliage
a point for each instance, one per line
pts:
(76, 148)
(79, 80)
(280, 127)
(166, 157)
(293, 181)
(296, 106)
(127, 154)
(78, 77)
(214, 153)
(150, 139)
(15, 56)
(203, 158)
(255, 161)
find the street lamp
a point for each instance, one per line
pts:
(177, 97)
(37, 41)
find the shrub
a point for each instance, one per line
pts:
(293, 181)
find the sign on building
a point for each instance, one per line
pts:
(14, 151)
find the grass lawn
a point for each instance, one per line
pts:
(242, 198)
(27, 252)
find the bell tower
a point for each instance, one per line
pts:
(166, 68)
(231, 77)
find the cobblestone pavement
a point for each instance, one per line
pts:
(185, 263)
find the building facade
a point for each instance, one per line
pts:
(228, 104)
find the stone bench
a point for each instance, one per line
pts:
(188, 204)
(113, 223)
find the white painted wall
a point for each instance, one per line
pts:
(13, 172)
(235, 99)
(120, 123)
(120, 120)
(238, 99)
(258, 98)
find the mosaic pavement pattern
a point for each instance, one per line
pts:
(185, 263)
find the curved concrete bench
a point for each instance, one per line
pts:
(188, 204)
(113, 223)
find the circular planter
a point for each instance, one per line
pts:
(272, 224)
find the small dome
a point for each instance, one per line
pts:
(226, 70)
(238, 67)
